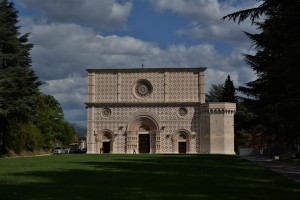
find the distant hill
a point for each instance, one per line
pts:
(80, 130)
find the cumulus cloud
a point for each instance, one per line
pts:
(206, 17)
(70, 49)
(208, 10)
(71, 93)
(103, 15)
(67, 41)
(61, 87)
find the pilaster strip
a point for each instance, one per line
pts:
(119, 87)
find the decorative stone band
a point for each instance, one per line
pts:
(218, 108)
(218, 112)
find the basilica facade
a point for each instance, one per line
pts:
(156, 110)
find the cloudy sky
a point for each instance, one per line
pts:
(70, 36)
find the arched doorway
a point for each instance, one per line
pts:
(142, 134)
(106, 142)
(144, 139)
(182, 143)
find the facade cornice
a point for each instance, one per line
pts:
(217, 108)
(134, 70)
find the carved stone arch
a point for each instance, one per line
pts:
(143, 118)
(105, 141)
(143, 133)
(181, 141)
(106, 134)
(144, 128)
(184, 132)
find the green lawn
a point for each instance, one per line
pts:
(140, 177)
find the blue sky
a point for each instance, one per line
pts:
(72, 35)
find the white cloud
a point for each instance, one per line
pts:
(205, 16)
(206, 10)
(220, 31)
(65, 47)
(69, 49)
(103, 15)
(71, 93)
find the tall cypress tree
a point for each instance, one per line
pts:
(274, 96)
(19, 85)
(228, 92)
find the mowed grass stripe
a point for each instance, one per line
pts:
(140, 177)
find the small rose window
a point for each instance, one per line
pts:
(182, 111)
(106, 112)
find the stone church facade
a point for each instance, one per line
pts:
(155, 110)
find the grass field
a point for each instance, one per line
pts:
(140, 177)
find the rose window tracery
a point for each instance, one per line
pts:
(143, 88)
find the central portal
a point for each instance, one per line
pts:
(181, 147)
(106, 147)
(142, 134)
(144, 143)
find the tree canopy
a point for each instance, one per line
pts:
(228, 93)
(22, 106)
(214, 93)
(222, 92)
(274, 96)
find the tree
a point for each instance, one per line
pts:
(228, 91)
(274, 96)
(222, 92)
(24, 137)
(214, 93)
(50, 120)
(19, 85)
(29, 120)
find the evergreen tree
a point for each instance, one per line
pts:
(274, 96)
(19, 85)
(225, 92)
(228, 93)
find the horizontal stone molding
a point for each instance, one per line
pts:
(218, 108)
(135, 70)
(95, 104)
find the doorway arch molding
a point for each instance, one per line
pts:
(142, 133)
(103, 132)
(104, 140)
(181, 136)
(176, 135)
(143, 118)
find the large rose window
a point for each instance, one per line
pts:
(143, 88)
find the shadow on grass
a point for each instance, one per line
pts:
(151, 177)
